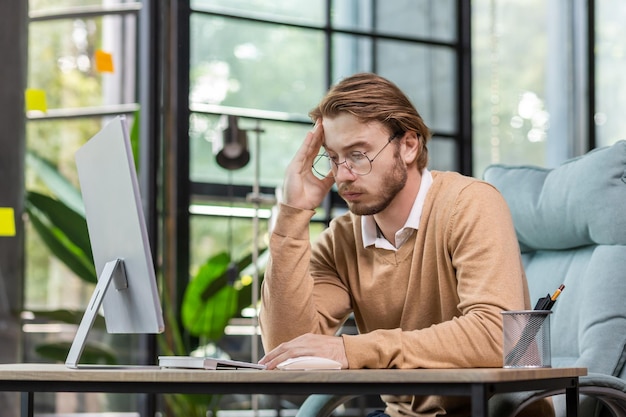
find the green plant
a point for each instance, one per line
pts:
(211, 300)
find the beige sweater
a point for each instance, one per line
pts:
(435, 303)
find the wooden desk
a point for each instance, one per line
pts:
(480, 384)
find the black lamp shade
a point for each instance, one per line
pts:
(231, 148)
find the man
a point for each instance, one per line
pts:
(426, 261)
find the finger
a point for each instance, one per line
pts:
(274, 358)
(284, 351)
(318, 135)
(308, 151)
(328, 181)
(314, 140)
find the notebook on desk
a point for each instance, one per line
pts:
(203, 362)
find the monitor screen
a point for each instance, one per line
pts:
(126, 288)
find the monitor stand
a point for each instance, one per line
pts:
(112, 271)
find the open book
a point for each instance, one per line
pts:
(203, 362)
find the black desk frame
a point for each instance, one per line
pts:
(480, 392)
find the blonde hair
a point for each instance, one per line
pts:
(370, 97)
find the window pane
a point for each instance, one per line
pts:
(610, 63)
(443, 154)
(427, 75)
(510, 115)
(211, 235)
(351, 54)
(296, 11)
(255, 65)
(423, 18)
(63, 64)
(278, 144)
(435, 20)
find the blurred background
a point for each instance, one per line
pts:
(528, 82)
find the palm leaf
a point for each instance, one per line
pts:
(72, 224)
(64, 190)
(61, 246)
(134, 139)
(69, 316)
(209, 302)
(93, 353)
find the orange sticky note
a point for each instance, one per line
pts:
(7, 221)
(104, 61)
(36, 100)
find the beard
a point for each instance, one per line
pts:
(391, 183)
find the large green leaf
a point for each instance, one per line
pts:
(134, 139)
(72, 224)
(69, 316)
(209, 301)
(217, 293)
(245, 283)
(60, 245)
(93, 353)
(64, 190)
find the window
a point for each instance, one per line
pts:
(273, 62)
(539, 98)
(510, 67)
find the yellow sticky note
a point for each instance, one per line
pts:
(7, 221)
(36, 100)
(104, 61)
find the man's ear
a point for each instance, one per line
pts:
(411, 143)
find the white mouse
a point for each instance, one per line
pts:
(306, 363)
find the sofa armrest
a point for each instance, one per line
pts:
(594, 389)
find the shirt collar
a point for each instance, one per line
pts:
(369, 229)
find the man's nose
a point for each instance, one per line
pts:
(344, 172)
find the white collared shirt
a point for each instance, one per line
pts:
(369, 228)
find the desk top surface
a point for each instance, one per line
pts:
(54, 372)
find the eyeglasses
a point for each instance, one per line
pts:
(356, 162)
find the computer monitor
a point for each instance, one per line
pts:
(126, 288)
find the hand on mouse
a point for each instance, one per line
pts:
(309, 344)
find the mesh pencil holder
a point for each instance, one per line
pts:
(526, 339)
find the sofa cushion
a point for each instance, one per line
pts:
(581, 202)
(588, 323)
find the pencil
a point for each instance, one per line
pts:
(557, 293)
(532, 327)
(546, 303)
